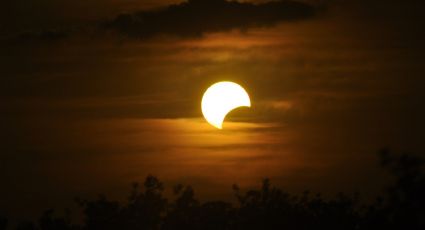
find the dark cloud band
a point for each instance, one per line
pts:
(196, 17)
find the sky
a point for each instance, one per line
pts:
(98, 94)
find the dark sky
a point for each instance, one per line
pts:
(98, 94)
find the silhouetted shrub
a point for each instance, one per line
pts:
(406, 198)
(401, 207)
(26, 225)
(3, 223)
(48, 222)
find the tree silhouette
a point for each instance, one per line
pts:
(406, 198)
(48, 222)
(402, 206)
(3, 223)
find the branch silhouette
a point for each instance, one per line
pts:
(402, 206)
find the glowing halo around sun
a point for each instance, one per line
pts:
(220, 99)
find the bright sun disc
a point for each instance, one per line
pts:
(220, 99)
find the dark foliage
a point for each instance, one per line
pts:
(3, 223)
(401, 207)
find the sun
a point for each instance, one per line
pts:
(221, 98)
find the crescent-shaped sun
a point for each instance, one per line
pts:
(220, 99)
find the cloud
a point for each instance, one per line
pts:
(196, 17)
(44, 35)
(35, 37)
